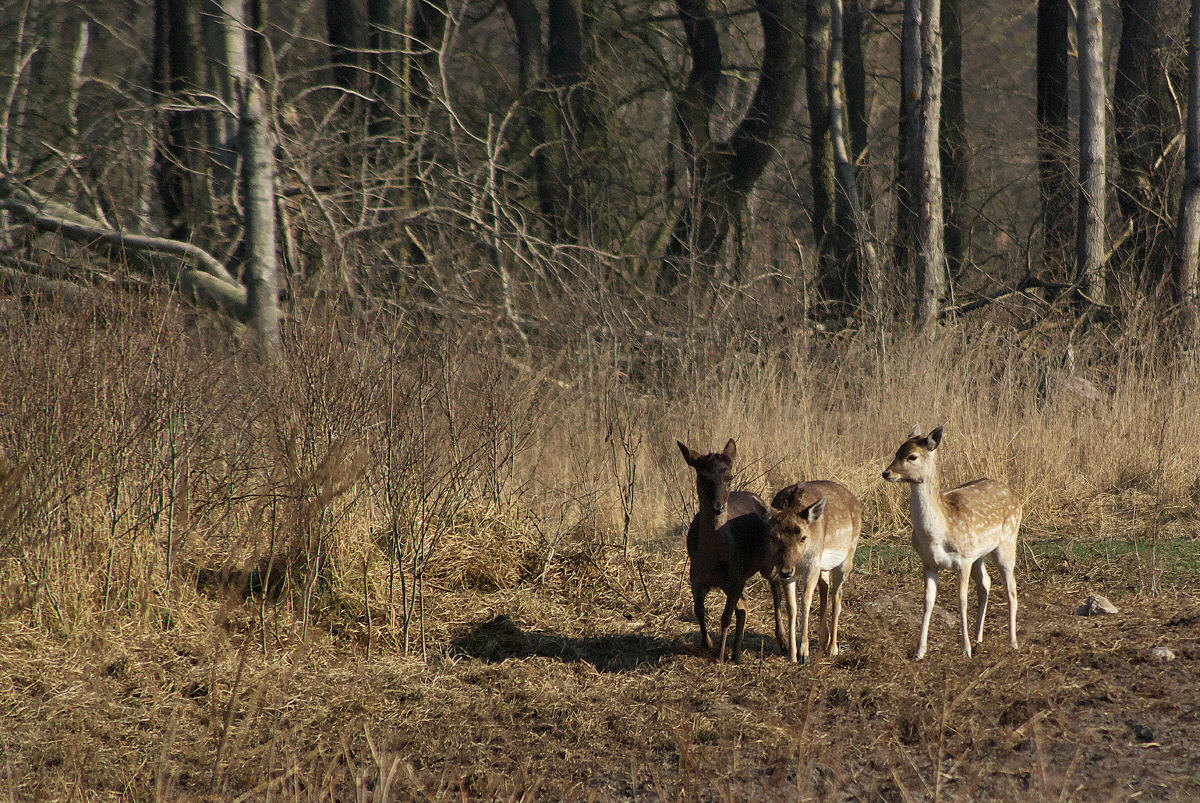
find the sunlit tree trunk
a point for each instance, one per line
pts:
(922, 56)
(1090, 236)
(257, 147)
(1185, 283)
(817, 33)
(864, 286)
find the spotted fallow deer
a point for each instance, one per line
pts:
(957, 530)
(727, 545)
(812, 534)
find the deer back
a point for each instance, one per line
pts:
(978, 512)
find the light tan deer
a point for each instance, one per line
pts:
(812, 535)
(727, 545)
(957, 530)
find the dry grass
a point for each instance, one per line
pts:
(398, 568)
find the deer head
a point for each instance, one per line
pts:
(915, 460)
(714, 473)
(789, 529)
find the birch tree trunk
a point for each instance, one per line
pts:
(258, 191)
(1090, 236)
(1187, 237)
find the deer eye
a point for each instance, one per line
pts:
(912, 457)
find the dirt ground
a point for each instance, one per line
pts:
(590, 689)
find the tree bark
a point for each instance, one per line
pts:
(1055, 180)
(822, 175)
(181, 159)
(258, 191)
(1090, 237)
(909, 139)
(864, 287)
(922, 41)
(955, 152)
(1185, 283)
(1143, 127)
(382, 72)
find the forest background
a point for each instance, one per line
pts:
(345, 346)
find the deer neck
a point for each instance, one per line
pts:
(927, 508)
(711, 524)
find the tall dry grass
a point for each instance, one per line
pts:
(145, 464)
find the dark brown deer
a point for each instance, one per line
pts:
(957, 530)
(812, 535)
(727, 545)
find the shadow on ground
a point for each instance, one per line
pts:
(501, 638)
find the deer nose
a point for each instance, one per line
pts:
(787, 573)
(887, 474)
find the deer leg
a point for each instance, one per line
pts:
(822, 625)
(791, 614)
(1006, 558)
(699, 592)
(931, 582)
(983, 585)
(810, 585)
(740, 613)
(777, 594)
(964, 587)
(837, 578)
(733, 601)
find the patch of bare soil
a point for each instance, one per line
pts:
(594, 692)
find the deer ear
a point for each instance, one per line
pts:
(730, 450)
(813, 511)
(915, 432)
(935, 439)
(688, 455)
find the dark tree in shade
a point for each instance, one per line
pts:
(955, 153)
(1055, 179)
(723, 173)
(1144, 123)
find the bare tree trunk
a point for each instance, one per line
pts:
(817, 33)
(922, 44)
(342, 24)
(1054, 168)
(866, 285)
(181, 160)
(1185, 284)
(382, 72)
(258, 190)
(262, 286)
(1144, 125)
(1090, 237)
(724, 173)
(904, 185)
(955, 153)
